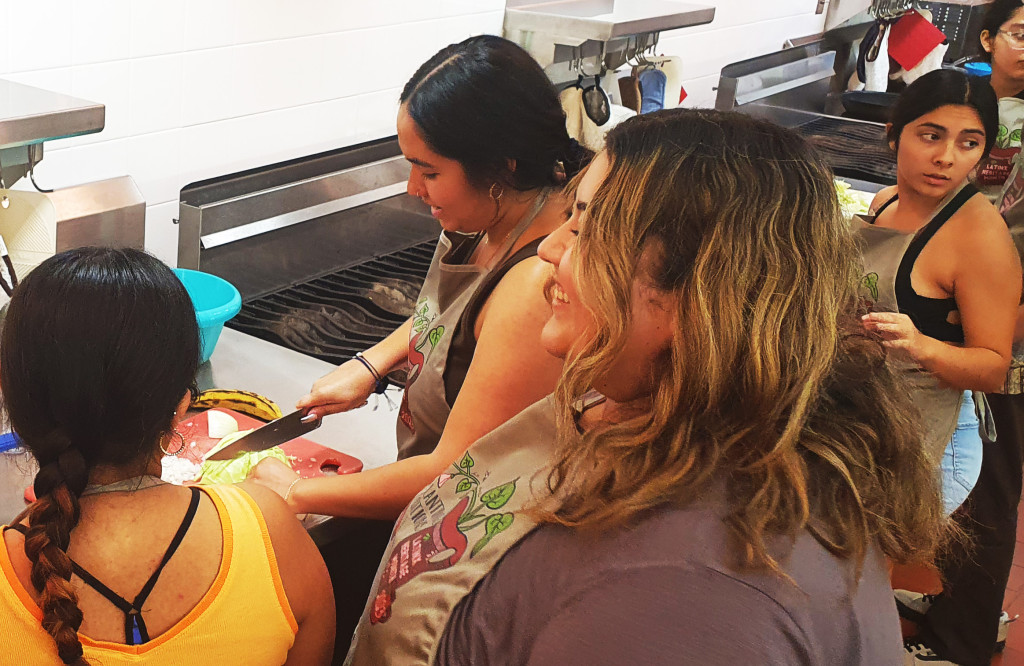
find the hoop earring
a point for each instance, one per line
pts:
(496, 198)
(180, 448)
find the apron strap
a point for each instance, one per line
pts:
(986, 420)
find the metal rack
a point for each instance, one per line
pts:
(566, 37)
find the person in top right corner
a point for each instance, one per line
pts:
(965, 623)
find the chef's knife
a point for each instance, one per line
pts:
(276, 432)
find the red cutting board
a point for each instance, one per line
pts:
(309, 458)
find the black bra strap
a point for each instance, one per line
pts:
(886, 204)
(135, 632)
(186, 522)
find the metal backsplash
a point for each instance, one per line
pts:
(272, 228)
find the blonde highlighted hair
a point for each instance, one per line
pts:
(769, 385)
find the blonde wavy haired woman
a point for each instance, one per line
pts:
(727, 461)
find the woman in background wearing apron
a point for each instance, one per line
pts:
(937, 256)
(482, 126)
(965, 624)
(733, 496)
(485, 134)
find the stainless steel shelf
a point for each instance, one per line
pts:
(604, 20)
(31, 115)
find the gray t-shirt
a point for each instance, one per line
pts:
(662, 593)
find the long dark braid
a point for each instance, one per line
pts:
(50, 521)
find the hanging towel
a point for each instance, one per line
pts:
(930, 63)
(912, 38)
(579, 125)
(629, 92)
(652, 90)
(876, 72)
(673, 69)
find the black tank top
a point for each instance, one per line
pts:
(930, 315)
(463, 346)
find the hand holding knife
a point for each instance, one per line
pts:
(275, 433)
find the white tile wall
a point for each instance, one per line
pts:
(200, 88)
(5, 43)
(155, 27)
(741, 29)
(99, 31)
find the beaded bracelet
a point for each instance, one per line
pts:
(291, 487)
(382, 382)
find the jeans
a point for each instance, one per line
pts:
(961, 462)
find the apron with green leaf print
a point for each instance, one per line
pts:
(996, 169)
(447, 289)
(451, 535)
(882, 250)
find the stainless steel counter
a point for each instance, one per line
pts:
(30, 115)
(603, 20)
(241, 361)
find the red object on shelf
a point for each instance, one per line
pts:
(309, 458)
(912, 38)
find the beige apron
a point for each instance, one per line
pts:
(996, 169)
(451, 535)
(1007, 194)
(882, 251)
(446, 291)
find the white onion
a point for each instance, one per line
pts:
(221, 424)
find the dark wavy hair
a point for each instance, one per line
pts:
(998, 13)
(946, 87)
(98, 347)
(770, 385)
(485, 102)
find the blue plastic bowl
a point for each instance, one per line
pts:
(216, 300)
(978, 69)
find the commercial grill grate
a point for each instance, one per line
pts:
(336, 315)
(854, 150)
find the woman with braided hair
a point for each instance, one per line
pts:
(98, 357)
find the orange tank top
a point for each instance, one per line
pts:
(244, 618)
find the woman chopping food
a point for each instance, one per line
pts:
(483, 129)
(717, 479)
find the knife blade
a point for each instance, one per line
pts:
(279, 431)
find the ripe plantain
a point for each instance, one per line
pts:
(246, 402)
